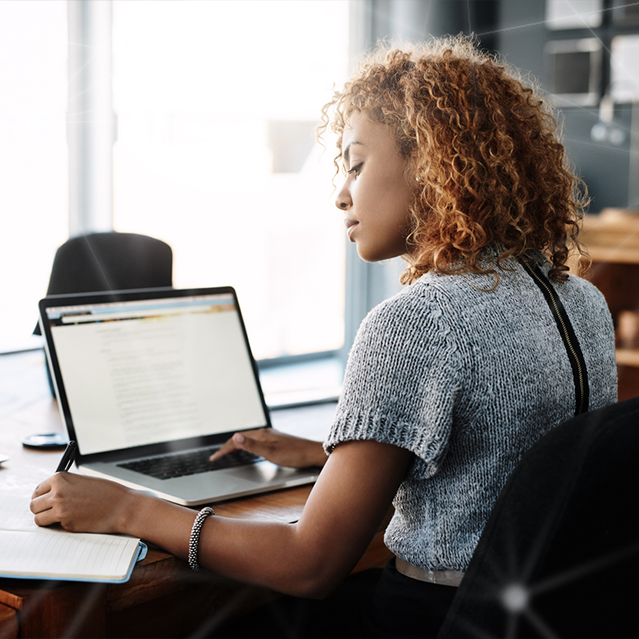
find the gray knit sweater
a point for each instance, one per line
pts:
(467, 379)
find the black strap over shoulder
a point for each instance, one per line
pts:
(567, 333)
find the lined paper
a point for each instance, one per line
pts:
(57, 554)
(15, 513)
(27, 550)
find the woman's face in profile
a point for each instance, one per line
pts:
(376, 194)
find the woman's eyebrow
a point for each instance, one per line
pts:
(347, 151)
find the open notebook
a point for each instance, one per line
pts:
(30, 552)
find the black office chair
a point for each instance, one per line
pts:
(559, 556)
(109, 261)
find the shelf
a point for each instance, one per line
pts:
(612, 240)
(627, 357)
(619, 255)
(612, 236)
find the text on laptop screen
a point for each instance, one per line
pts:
(151, 371)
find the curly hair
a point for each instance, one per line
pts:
(484, 151)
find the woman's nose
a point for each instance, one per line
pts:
(343, 200)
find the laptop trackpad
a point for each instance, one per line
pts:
(261, 472)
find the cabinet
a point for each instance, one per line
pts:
(612, 242)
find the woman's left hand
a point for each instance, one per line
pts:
(278, 447)
(80, 503)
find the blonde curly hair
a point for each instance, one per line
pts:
(484, 150)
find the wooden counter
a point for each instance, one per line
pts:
(612, 241)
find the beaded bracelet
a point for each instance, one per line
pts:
(194, 542)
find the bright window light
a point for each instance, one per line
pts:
(216, 104)
(33, 157)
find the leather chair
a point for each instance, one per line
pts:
(559, 556)
(110, 261)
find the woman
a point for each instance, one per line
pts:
(454, 164)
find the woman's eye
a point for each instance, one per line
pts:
(355, 170)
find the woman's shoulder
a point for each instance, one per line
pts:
(422, 315)
(582, 295)
(432, 293)
(450, 301)
(409, 334)
(414, 301)
(583, 286)
(585, 304)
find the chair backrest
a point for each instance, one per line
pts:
(559, 556)
(110, 262)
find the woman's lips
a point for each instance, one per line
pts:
(350, 226)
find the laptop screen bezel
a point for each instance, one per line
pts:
(107, 297)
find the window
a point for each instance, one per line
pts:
(216, 106)
(573, 14)
(624, 75)
(33, 157)
(193, 122)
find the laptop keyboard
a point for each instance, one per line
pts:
(191, 463)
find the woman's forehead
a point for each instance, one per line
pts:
(362, 130)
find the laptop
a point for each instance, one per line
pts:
(150, 382)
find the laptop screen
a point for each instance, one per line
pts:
(150, 371)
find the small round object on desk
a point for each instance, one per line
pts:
(46, 441)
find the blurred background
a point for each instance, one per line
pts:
(193, 122)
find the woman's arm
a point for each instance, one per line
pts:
(308, 558)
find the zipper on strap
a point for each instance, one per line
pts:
(567, 333)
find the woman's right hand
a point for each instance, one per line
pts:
(82, 504)
(277, 447)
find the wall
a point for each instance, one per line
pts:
(605, 167)
(517, 29)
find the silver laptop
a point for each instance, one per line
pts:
(150, 382)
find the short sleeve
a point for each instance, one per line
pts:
(402, 380)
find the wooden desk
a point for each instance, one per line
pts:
(163, 598)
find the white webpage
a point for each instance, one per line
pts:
(155, 373)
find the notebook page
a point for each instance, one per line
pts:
(15, 513)
(51, 553)
(28, 550)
